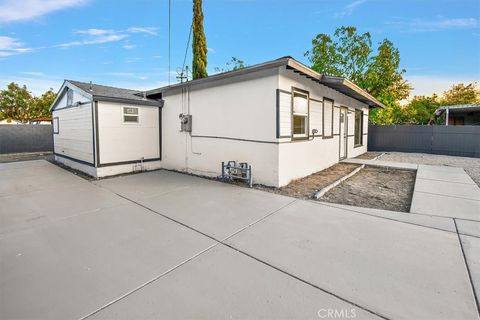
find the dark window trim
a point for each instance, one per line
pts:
(58, 125)
(307, 121)
(329, 136)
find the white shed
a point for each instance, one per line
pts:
(281, 117)
(104, 131)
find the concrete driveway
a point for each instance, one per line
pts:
(165, 245)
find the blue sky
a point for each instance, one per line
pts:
(125, 43)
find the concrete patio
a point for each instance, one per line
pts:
(169, 245)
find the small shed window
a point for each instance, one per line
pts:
(358, 127)
(55, 125)
(300, 114)
(69, 97)
(130, 115)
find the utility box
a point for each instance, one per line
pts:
(186, 122)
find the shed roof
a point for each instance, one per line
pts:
(340, 84)
(458, 108)
(113, 94)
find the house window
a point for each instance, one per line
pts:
(300, 114)
(55, 126)
(69, 97)
(130, 115)
(327, 118)
(358, 127)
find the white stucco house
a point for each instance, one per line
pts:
(284, 119)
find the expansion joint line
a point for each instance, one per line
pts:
(468, 268)
(222, 242)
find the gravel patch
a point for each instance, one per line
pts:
(470, 165)
(370, 155)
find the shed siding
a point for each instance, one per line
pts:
(119, 141)
(75, 137)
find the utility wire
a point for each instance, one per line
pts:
(186, 50)
(169, 37)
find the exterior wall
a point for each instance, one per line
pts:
(231, 120)
(119, 141)
(75, 135)
(88, 169)
(299, 158)
(126, 168)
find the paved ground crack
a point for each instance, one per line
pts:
(468, 269)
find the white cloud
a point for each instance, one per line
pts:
(426, 85)
(128, 46)
(23, 10)
(148, 30)
(97, 36)
(438, 24)
(211, 50)
(36, 85)
(95, 32)
(11, 46)
(33, 73)
(348, 10)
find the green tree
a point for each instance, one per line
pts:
(420, 109)
(350, 54)
(384, 77)
(199, 44)
(347, 54)
(42, 104)
(461, 94)
(17, 103)
(234, 64)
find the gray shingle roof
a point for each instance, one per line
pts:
(106, 93)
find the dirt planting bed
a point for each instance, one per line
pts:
(305, 188)
(370, 155)
(374, 187)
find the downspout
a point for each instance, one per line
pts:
(447, 113)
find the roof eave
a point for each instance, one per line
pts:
(366, 97)
(224, 75)
(147, 102)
